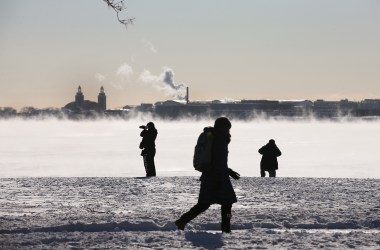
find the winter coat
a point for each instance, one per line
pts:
(270, 153)
(148, 141)
(216, 186)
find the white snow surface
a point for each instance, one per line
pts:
(80, 185)
(109, 148)
(138, 213)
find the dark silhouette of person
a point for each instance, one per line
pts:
(269, 162)
(216, 187)
(148, 146)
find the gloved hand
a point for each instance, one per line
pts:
(233, 174)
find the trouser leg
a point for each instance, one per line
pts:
(272, 173)
(151, 167)
(191, 214)
(262, 172)
(145, 159)
(226, 218)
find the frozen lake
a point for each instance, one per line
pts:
(102, 148)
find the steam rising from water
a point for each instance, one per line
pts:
(110, 148)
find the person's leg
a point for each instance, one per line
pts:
(272, 173)
(145, 159)
(150, 162)
(226, 218)
(191, 214)
(262, 172)
(151, 166)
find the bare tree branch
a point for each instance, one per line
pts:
(119, 6)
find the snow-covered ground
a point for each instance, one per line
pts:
(138, 212)
(104, 148)
(117, 208)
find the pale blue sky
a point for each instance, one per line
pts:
(244, 49)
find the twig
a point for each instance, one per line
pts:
(119, 6)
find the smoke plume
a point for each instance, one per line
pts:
(150, 46)
(165, 82)
(99, 77)
(124, 71)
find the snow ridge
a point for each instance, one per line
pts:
(98, 227)
(147, 226)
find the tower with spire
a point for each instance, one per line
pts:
(79, 99)
(102, 100)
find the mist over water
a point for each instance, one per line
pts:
(110, 148)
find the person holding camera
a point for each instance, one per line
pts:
(148, 147)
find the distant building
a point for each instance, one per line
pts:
(79, 99)
(144, 107)
(370, 104)
(102, 103)
(256, 108)
(369, 107)
(81, 105)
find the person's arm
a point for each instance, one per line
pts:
(261, 150)
(233, 174)
(151, 136)
(278, 153)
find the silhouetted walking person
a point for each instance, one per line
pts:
(148, 147)
(216, 187)
(269, 162)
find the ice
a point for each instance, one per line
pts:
(110, 148)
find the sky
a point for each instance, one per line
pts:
(221, 49)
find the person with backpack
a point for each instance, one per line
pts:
(148, 148)
(268, 162)
(216, 187)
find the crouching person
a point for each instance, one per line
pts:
(216, 187)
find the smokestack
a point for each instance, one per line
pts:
(187, 95)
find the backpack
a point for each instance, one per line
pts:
(202, 160)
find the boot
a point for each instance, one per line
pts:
(191, 214)
(226, 218)
(226, 223)
(180, 224)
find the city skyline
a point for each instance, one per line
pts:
(243, 50)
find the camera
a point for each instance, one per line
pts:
(142, 127)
